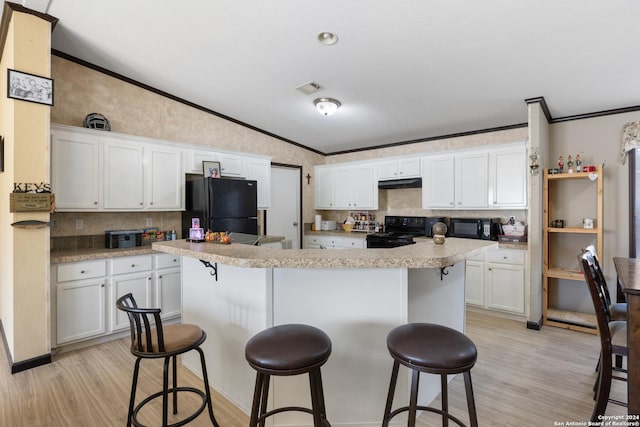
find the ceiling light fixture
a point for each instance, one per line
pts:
(327, 38)
(327, 106)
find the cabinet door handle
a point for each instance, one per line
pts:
(82, 271)
(95, 203)
(102, 285)
(133, 265)
(141, 203)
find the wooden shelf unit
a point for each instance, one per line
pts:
(552, 316)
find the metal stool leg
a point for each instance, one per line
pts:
(257, 398)
(134, 385)
(165, 392)
(444, 392)
(175, 386)
(317, 398)
(392, 389)
(471, 402)
(205, 379)
(413, 402)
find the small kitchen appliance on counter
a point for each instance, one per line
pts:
(122, 238)
(399, 231)
(328, 225)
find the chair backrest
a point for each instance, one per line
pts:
(600, 306)
(596, 264)
(144, 338)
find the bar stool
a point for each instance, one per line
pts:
(286, 350)
(163, 342)
(434, 349)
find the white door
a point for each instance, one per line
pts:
(283, 219)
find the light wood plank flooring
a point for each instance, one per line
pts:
(522, 378)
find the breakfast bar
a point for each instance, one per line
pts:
(355, 295)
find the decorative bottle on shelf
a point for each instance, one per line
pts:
(569, 164)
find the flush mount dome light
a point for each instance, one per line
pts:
(327, 38)
(327, 106)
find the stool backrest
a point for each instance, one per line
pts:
(144, 338)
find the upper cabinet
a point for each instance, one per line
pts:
(508, 177)
(76, 171)
(471, 180)
(346, 186)
(399, 168)
(95, 170)
(438, 182)
(259, 169)
(493, 178)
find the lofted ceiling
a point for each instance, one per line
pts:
(403, 70)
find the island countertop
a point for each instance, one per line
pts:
(423, 254)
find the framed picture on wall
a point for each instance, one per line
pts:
(211, 169)
(29, 87)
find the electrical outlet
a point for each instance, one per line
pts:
(79, 224)
(149, 222)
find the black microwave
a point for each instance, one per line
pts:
(475, 228)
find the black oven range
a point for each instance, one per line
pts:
(400, 231)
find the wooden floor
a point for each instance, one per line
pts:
(522, 378)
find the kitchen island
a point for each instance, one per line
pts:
(355, 295)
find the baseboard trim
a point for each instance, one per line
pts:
(536, 326)
(23, 365)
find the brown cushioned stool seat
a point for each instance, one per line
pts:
(433, 349)
(288, 350)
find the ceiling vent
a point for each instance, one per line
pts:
(309, 88)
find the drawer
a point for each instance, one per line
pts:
(167, 261)
(81, 270)
(131, 264)
(506, 256)
(353, 243)
(314, 240)
(479, 257)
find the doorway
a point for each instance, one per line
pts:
(284, 216)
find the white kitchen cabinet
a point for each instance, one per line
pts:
(508, 177)
(323, 186)
(355, 187)
(231, 164)
(80, 300)
(497, 283)
(438, 183)
(167, 285)
(471, 179)
(333, 242)
(474, 282)
(399, 168)
(76, 171)
(123, 176)
(106, 171)
(129, 274)
(86, 293)
(353, 243)
(259, 169)
(194, 159)
(165, 179)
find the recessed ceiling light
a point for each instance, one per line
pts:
(327, 38)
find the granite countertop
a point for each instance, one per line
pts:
(58, 257)
(423, 254)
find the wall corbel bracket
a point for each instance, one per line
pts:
(444, 272)
(213, 267)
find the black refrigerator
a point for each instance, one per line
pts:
(221, 204)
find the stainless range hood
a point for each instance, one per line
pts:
(400, 183)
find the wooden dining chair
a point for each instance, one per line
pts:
(613, 337)
(617, 310)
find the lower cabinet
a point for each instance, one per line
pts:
(495, 281)
(334, 242)
(86, 293)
